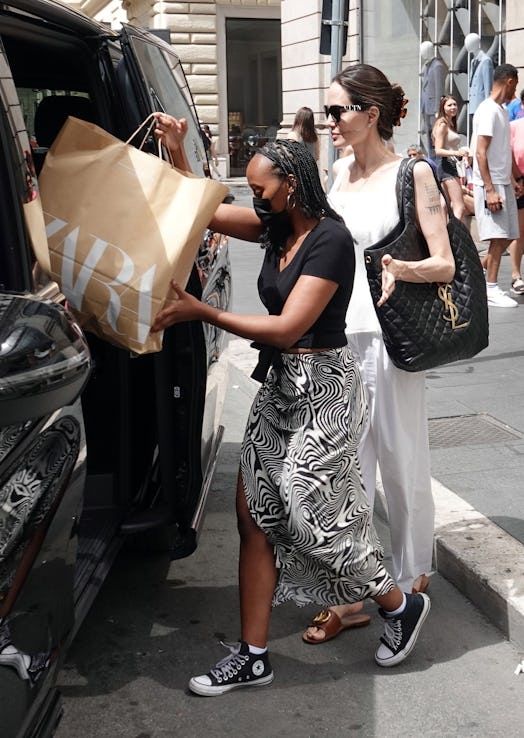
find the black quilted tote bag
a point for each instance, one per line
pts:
(427, 325)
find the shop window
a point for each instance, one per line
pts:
(254, 95)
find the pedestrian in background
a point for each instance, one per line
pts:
(414, 151)
(211, 150)
(363, 107)
(494, 179)
(516, 107)
(306, 530)
(450, 153)
(516, 247)
(303, 130)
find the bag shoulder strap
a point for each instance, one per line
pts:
(406, 190)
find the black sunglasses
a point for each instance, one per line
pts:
(335, 111)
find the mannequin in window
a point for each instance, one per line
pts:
(481, 72)
(431, 90)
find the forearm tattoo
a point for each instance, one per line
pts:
(432, 198)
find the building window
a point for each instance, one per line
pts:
(254, 73)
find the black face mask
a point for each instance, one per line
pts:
(277, 225)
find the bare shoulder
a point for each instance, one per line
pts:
(440, 127)
(392, 160)
(423, 170)
(388, 169)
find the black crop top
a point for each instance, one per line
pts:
(327, 252)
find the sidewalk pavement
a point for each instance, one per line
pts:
(476, 424)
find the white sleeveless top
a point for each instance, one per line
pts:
(369, 214)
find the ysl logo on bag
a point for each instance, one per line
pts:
(444, 293)
(74, 289)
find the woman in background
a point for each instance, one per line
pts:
(448, 149)
(211, 149)
(303, 131)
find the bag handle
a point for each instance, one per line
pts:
(150, 123)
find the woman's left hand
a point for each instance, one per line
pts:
(388, 278)
(183, 308)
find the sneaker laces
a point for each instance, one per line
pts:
(392, 633)
(231, 664)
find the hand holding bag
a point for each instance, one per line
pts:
(120, 224)
(425, 325)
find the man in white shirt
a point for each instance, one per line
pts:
(494, 178)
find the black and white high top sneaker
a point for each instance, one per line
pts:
(239, 668)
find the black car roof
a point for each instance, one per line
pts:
(60, 14)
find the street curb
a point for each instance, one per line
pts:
(483, 561)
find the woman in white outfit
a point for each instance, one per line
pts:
(362, 108)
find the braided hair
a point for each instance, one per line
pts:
(294, 158)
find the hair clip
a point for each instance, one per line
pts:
(403, 112)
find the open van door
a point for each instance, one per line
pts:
(188, 432)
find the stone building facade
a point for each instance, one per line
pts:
(228, 51)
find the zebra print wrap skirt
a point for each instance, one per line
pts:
(303, 483)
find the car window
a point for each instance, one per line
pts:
(17, 187)
(61, 74)
(169, 92)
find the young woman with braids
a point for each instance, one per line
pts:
(306, 531)
(362, 108)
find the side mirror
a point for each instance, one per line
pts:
(44, 359)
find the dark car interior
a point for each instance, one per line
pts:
(140, 414)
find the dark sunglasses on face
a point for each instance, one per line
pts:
(335, 111)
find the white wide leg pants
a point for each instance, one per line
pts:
(396, 436)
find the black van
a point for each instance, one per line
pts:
(97, 446)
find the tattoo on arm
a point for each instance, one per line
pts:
(432, 203)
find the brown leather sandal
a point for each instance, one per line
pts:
(331, 624)
(420, 584)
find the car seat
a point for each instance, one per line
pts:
(50, 116)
